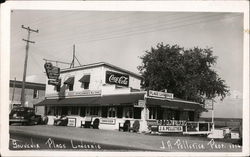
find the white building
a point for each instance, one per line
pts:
(111, 97)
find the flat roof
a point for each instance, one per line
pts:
(28, 85)
(88, 66)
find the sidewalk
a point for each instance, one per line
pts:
(127, 139)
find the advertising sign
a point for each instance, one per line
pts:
(141, 103)
(51, 71)
(208, 104)
(160, 94)
(117, 78)
(107, 121)
(84, 93)
(170, 129)
(78, 93)
(56, 82)
(72, 122)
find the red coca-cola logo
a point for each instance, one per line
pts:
(116, 78)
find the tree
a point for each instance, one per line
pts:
(186, 73)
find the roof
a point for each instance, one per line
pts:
(96, 100)
(87, 66)
(28, 85)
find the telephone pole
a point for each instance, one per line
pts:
(26, 61)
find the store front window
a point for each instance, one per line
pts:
(94, 111)
(112, 112)
(82, 111)
(137, 113)
(104, 111)
(128, 111)
(74, 110)
(152, 112)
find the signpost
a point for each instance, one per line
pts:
(209, 105)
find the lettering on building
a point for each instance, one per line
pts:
(117, 78)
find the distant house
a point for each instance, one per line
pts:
(35, 92)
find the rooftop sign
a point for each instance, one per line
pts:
(158, 94)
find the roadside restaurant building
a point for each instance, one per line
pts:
(108, 97)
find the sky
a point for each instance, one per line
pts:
(120, 38)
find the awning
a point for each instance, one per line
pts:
(70, 80)
(121, 99)
(85, 78)
(69, 101)
(175, 104)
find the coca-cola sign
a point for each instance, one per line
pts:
(117, 78)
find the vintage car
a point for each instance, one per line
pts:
(24, 116)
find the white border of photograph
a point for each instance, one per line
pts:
(170, 6)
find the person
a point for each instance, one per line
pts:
(64, 121)
(57, 120)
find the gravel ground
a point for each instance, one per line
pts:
(133, 140)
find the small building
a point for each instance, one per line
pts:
(113, 96)
(34, 93)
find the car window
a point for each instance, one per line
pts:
(30, 111)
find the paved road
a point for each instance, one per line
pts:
(56, 137)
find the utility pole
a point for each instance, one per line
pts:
(26, 61)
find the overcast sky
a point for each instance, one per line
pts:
(120, 38)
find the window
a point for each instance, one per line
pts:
(70, 83)
(137, 113)
(94, 111)
(85, 81)
(74, 110)
(104, 112)
(128, 111)
(82, 111)
(86, 85)
(71, 87)
(152, 112)
(119, 112)
(112, 112)
(36, 94)
(159, 113)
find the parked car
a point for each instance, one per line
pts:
(24, 115)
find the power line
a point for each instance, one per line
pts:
(132, 33)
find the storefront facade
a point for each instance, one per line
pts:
(111, 96)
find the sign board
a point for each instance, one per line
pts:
(160, 94)
(78, 93)
(51, 71)
(72, 122)
(56, 82)
(209, 104)
(117, 78)
(170, 128)
(141, 103)
(107, 121)
(84, 93)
